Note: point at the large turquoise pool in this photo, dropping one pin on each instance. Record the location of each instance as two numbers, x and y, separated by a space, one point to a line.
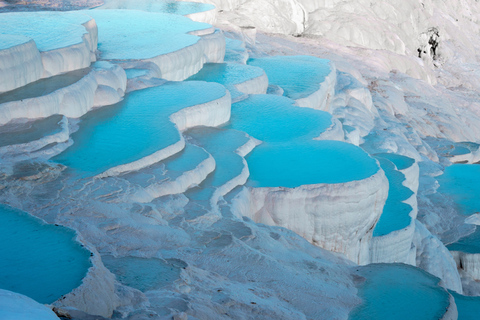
134 128
39 260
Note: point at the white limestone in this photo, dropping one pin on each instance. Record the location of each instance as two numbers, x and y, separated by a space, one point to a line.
97 293
72 57
337 217
72 101
185 181
434 257
15 306
20 64
258 85
321 98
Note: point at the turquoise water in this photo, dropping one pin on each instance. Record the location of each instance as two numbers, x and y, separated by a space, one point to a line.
43 86
39 260
30 131
461 182
401 162
172 7
309 162
50 30
133 73
396 214
468 244
8 40
275 119
134 34
134 128
399 292
188 159
228 74
221 144
468 307
299 76
144 274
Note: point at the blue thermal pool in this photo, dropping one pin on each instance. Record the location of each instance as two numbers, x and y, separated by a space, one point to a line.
396 214
51 30
134 34
228 74
460 181
221 144
401 162
134 128
468 307
298 76
399 292
309 162
144 274
39 260
273 118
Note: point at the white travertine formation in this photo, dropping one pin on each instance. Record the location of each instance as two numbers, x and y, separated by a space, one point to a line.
183 63
72 101
96 295
337 217
322 98
185 181
20 64
468 262
397 245
73 57
257 85
15 306
434 257
213 113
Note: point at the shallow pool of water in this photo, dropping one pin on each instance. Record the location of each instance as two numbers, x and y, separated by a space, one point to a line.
309 162
298 76
39 260
134 34
273 118
399 292
134 128
396 214
461 182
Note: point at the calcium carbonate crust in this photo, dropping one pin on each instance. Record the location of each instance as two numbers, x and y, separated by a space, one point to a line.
72 101
337 217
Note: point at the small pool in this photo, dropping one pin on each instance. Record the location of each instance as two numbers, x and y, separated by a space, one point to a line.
401 162
136 127
39 260
396 214
144 274
399 292
461 182
298 76
271 118
468 307
222 145
310 162
135 34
